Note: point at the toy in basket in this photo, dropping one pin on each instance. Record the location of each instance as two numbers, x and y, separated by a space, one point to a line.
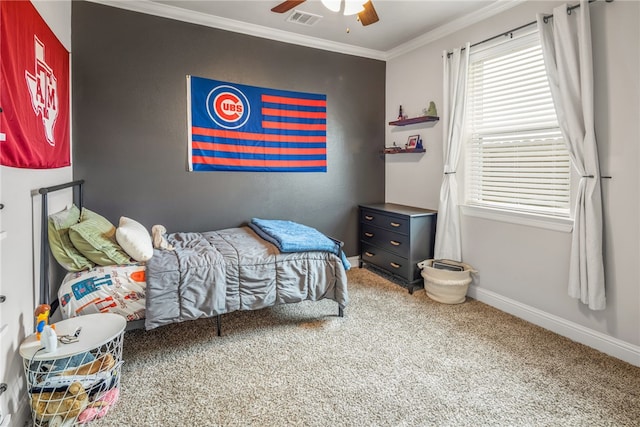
76 394
446 281
78 381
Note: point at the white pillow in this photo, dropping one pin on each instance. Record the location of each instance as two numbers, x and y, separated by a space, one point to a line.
134 238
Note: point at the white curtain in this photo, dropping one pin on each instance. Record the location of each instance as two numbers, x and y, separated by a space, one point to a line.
448 243
566 46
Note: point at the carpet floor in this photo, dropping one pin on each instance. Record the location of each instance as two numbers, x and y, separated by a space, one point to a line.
395 359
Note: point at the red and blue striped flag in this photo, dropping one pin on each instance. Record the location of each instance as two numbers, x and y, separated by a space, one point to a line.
235 127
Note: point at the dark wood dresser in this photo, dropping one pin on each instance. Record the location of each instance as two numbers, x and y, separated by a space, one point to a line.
395 238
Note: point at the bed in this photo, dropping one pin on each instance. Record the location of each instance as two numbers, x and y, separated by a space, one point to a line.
191 275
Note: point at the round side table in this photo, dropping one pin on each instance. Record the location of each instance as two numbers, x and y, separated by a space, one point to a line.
79 381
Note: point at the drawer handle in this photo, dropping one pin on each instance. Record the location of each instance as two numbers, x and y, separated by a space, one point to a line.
394 265
394 224
368 234
369 254
368 217
394 243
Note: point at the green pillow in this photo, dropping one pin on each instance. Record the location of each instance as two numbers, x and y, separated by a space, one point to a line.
94 237
61 247
88 214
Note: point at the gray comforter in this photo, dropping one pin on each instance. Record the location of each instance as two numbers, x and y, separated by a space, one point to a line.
222 271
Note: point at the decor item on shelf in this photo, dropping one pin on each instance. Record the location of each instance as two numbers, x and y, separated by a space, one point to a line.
395 148
392 150
419 144
400 113
431 111
412 142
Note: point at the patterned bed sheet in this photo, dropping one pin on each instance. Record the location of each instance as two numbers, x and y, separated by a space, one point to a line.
118 289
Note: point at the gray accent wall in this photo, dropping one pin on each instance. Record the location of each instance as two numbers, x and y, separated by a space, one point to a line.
130 125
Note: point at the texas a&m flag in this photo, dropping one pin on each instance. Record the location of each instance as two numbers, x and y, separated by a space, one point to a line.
34 90
235 127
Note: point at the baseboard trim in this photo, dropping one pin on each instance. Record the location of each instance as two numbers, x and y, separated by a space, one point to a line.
354 261
619 349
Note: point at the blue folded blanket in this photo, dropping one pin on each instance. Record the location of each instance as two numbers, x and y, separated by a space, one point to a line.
290 236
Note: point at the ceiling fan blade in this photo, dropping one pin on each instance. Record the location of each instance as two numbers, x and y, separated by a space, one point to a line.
286 5
368 16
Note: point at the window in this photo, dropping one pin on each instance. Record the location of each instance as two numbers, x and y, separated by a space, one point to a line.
516 158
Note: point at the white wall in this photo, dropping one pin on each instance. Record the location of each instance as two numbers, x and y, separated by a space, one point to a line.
17 249
523 269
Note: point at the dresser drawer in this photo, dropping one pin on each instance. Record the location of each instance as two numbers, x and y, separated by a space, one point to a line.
393 263
385 239
379 219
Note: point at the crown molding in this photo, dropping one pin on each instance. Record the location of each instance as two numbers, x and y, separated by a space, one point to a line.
172 12
453 26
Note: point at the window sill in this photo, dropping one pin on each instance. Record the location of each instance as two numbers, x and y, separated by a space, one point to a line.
540 221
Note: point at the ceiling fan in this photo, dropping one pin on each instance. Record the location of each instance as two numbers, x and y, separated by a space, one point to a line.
367 15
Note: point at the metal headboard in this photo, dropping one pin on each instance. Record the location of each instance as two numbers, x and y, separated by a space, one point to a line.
44 235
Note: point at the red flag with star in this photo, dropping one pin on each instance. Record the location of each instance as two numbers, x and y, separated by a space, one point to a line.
34 91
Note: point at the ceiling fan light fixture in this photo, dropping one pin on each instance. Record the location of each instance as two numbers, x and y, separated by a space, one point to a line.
332 5
366 12
351 7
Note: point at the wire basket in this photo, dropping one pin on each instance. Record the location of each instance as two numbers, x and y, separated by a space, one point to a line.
77 389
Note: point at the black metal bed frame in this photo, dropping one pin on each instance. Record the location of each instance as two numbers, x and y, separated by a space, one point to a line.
44 236
45 286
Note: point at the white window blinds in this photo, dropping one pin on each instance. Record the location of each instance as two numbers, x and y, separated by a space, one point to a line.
516 156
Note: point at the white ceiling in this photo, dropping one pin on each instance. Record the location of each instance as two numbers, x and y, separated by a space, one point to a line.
403 25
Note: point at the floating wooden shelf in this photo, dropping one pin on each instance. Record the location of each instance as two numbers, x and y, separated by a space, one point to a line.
414 120
403 150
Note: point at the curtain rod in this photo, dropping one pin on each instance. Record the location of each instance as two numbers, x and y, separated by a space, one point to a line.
513 30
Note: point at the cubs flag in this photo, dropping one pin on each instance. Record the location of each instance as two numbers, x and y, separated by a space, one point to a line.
34 91
235 127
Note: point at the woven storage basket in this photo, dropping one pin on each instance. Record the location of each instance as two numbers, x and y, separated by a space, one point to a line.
445 286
